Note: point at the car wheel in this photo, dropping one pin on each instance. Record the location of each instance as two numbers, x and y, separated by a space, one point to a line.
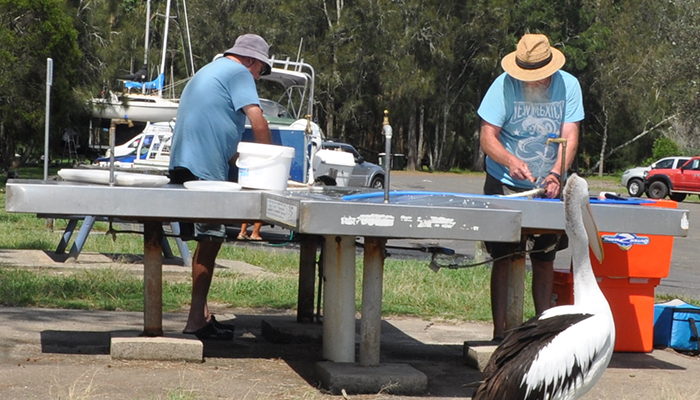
677 197
635 187
377 183
657 190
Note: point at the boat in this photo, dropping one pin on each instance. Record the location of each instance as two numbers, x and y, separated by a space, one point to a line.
140 148
142 101
135 107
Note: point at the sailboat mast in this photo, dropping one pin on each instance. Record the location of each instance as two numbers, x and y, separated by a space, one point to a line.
165 45
148 25
189 41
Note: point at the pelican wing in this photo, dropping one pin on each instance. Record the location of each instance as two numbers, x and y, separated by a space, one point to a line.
506 371
574 360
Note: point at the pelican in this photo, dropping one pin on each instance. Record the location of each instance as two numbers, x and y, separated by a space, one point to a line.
561 353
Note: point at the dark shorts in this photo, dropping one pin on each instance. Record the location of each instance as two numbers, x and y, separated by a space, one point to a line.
196 231
544 247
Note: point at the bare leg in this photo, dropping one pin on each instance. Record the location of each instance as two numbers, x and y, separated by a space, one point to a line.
542 284
203 264
244 231
499 296
256 231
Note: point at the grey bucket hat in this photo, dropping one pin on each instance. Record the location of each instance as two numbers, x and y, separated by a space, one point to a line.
250 45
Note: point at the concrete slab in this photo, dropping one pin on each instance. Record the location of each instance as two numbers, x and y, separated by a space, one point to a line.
157 349
400 379
477 353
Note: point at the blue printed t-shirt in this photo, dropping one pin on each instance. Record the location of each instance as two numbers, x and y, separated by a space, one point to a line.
526 125
211 120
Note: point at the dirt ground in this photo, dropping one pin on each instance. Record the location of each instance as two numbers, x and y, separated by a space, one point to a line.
64 354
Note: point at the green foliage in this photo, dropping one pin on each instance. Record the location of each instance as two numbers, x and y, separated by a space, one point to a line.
636 61
664 147
30 32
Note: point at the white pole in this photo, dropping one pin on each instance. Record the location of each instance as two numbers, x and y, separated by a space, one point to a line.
165 45
189 41
49 81
148 26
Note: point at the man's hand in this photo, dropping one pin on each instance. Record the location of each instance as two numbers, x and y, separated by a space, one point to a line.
552 186
519 170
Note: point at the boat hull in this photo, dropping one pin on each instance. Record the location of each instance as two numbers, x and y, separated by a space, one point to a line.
144 110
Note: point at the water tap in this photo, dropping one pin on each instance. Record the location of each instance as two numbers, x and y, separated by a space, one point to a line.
553 139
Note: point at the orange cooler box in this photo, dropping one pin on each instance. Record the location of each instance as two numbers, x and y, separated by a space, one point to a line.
638 256
631 302
631 269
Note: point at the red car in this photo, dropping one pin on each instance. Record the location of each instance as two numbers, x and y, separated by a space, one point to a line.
675 183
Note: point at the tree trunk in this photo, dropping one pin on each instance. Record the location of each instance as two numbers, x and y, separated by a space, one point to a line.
603 144
411 148
634 139
421 135
477 154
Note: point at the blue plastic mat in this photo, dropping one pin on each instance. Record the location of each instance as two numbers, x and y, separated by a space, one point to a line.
403 196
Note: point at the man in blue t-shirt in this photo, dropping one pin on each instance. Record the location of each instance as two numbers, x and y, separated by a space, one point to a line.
211 118
530 103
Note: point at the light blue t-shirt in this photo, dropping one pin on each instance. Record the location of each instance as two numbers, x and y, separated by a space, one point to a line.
210 118
526 124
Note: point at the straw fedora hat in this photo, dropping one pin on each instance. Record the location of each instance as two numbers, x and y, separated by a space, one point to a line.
534 59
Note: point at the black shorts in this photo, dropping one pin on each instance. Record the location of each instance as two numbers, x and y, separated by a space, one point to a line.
196 231
544 247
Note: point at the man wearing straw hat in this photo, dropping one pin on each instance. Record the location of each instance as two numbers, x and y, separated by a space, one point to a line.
211 119
531 102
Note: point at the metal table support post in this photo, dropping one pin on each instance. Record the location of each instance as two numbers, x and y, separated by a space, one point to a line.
307 278
372 281
339 298
153 278
83 233
516 293
67 233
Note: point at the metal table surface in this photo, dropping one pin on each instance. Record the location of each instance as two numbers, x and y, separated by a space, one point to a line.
343 213
167 203
323 212
340 215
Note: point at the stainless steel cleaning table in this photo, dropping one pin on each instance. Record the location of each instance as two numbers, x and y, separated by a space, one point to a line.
339 219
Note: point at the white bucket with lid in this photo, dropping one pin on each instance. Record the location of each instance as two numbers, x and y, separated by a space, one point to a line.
264 166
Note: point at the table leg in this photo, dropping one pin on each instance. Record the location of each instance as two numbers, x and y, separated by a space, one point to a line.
307 278
516 293
372 279
67 234
153 279
339 298
83 233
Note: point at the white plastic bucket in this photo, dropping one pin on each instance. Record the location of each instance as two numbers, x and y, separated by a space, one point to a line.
264 166
335 164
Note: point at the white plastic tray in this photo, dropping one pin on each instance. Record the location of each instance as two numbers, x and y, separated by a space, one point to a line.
213 186
101 177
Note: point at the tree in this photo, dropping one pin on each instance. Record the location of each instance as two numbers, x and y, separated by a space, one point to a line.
30 32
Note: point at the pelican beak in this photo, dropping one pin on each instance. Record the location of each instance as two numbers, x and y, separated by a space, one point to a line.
592 231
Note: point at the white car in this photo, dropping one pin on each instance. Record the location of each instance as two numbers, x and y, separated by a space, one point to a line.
633 179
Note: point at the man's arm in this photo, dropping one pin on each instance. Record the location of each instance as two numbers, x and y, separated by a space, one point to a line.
517 168
261 131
